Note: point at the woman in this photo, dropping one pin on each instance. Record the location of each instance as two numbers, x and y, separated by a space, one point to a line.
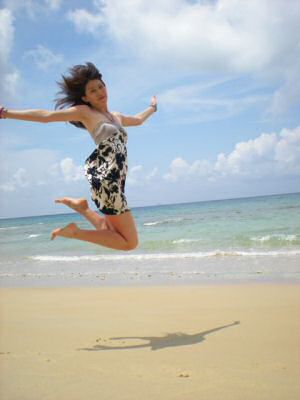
83 102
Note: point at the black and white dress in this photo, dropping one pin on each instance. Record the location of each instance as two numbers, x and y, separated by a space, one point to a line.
106 168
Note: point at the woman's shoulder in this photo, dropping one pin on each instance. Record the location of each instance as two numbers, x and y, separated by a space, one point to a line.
82 111
84 108
118 115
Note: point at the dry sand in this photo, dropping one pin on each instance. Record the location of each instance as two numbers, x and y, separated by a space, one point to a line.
151 343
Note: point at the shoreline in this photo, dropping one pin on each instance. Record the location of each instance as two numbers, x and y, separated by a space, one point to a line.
101 283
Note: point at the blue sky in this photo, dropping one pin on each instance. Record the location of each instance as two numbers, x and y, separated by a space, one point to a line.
226 77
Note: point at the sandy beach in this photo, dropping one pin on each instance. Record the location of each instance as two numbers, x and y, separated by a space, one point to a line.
178 342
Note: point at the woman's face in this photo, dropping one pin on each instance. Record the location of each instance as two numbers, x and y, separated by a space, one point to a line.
95 93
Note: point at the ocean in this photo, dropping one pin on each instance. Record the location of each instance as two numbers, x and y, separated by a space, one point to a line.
253 239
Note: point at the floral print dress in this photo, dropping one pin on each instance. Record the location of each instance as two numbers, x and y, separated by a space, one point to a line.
106 169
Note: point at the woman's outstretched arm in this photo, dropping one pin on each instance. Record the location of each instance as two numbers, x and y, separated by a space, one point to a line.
76 113
139 118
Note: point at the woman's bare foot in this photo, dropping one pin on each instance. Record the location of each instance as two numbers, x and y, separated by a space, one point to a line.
79 205
68 231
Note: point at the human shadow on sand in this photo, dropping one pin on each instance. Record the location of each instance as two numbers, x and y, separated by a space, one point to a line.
157 343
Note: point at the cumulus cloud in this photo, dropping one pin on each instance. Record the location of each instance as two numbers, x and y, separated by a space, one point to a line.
18 180
138 177
9 75
258 37
43 57
267 159
65 170
34 164
181 169
220 35
178 168
70 171
86 21
39 167
269 155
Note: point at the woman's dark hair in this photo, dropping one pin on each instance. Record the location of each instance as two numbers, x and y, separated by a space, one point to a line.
72 87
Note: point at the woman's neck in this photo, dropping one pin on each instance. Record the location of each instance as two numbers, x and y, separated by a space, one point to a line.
103 110
100 107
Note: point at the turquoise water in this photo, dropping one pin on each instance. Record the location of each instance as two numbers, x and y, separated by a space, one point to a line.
238 239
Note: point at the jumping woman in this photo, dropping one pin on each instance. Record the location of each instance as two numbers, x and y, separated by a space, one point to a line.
82 101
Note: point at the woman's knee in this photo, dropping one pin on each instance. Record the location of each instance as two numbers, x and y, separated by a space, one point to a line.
124 225
132 244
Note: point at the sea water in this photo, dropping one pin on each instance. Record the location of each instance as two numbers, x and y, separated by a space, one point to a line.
248 239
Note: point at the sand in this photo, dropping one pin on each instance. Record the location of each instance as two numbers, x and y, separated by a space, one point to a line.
180 342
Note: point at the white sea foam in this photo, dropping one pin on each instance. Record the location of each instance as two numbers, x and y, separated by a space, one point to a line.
34 236
276 236
164 221
20 226
165 256
179 241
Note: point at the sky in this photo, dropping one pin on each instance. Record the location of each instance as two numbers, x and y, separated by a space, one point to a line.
226 75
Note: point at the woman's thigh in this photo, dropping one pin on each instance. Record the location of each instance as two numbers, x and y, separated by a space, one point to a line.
124 224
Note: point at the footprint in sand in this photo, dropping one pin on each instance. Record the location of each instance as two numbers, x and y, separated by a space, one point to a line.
184 375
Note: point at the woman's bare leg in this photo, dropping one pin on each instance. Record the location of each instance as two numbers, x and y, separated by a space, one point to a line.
81 206
123 238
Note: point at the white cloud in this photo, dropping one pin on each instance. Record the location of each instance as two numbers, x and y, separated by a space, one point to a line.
18 180
39 167
269 155
221 35
34 162
178 168
136 169
21 5
199 102
270 160
7 34
258 37
288 147
85 21
32 7
287 95
152 174
53 4
43 57
273 155
138 177
134 177
9 75
70 171
65 171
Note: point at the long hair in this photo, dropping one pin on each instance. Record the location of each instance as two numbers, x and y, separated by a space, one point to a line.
72 87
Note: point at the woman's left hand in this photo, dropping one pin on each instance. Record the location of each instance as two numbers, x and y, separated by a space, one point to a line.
153 101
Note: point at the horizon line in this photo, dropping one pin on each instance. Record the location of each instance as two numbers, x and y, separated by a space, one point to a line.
163 204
